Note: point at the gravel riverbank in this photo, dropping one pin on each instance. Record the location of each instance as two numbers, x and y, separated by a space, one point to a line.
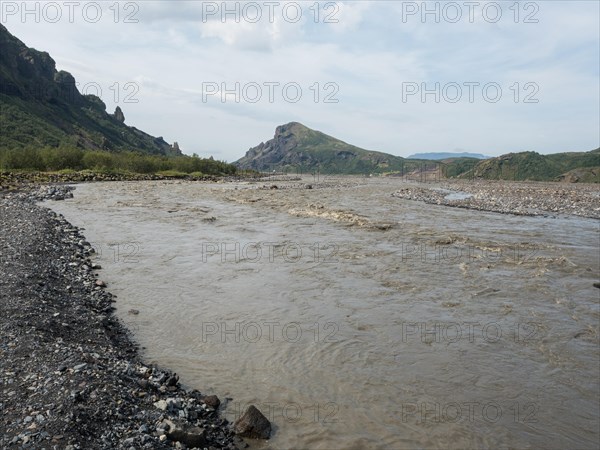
508 197
70 376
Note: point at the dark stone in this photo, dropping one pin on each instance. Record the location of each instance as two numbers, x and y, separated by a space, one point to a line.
212 401
253 424
172 381
191 437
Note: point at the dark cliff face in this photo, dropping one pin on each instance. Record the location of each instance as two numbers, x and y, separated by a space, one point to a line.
42 106
31 74
279 150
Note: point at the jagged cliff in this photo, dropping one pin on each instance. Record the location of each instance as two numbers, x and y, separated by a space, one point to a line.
40 106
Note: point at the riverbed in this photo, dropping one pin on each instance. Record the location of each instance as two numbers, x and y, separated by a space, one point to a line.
355 319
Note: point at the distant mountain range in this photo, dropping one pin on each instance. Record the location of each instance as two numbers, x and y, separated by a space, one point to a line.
447 155
296 147
40 106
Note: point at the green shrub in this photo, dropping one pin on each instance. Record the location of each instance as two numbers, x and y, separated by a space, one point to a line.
73 158
21 159
98 160
62 158
135 162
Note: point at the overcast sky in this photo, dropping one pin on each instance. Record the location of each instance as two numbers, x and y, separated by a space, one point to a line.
507 78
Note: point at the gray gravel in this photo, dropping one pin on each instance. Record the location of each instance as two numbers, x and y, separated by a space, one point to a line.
70 376
520 198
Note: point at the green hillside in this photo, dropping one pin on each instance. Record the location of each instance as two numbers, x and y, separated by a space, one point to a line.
47 125
531 166
296 147
41 107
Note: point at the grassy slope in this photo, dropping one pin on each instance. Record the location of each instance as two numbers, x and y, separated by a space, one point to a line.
533 166
25 123
40 106
299 148
314 150
318 151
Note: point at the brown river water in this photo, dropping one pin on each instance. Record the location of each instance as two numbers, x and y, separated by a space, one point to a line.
356 320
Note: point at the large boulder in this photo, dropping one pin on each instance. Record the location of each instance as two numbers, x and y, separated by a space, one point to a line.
212 401
253 424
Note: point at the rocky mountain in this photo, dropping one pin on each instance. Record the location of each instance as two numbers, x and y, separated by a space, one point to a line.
296 147
447 155
40 106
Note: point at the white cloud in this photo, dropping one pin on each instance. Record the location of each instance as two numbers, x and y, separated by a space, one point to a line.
347 16
174 51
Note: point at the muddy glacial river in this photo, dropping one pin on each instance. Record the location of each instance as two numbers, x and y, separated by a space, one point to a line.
356 320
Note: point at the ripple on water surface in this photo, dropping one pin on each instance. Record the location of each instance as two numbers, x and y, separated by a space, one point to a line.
451 328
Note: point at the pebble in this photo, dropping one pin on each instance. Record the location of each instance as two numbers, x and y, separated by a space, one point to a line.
519 198
59 316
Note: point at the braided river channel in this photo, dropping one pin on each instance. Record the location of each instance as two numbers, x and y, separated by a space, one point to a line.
354 319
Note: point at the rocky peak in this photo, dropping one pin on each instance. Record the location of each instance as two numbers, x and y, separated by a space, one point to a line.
68 87
289 129
119 114
31 74
295 146
59 112
285 147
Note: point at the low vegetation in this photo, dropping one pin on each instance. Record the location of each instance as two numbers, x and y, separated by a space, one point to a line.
531 166
66 158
